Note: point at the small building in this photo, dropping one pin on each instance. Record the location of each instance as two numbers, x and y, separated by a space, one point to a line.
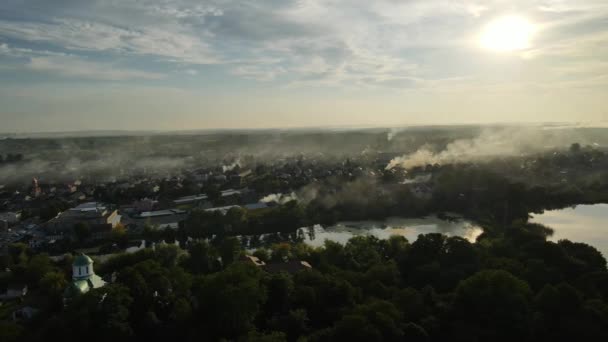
256 206
10 218
191 199
83 277
14 291
24 314
161 219
253 260
97 216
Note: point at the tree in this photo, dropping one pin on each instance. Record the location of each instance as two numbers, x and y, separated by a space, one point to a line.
18 253
355 328
395 247
411 303
275 336
229 300
119 235
414 333
492 305
262 254
280 252
37 267
377 320
202 258
575 148
53 284
229 249
362 252
10 332
103 310
583 258
279 288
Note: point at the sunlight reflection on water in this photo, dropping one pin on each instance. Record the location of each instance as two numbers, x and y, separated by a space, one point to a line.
584 223
409 228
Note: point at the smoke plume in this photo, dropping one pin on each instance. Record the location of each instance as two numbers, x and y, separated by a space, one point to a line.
490 144
279 198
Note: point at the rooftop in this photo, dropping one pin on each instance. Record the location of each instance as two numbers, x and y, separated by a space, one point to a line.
89 206
157 213
82 260
187 199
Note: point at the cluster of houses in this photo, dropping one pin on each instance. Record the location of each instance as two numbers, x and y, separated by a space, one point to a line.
161 201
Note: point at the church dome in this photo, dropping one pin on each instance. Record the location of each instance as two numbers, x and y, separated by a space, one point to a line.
82 260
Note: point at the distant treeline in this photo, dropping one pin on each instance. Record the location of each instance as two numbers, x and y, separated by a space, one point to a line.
11 158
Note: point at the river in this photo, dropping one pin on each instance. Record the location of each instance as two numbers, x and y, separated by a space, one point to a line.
409 228
583 223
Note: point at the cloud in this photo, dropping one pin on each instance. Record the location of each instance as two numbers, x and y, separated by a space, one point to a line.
345 43
71 66
259 72
74 34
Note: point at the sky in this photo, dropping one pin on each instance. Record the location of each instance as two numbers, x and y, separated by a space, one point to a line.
70 65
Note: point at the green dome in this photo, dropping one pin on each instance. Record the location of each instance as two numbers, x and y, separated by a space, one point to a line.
82 260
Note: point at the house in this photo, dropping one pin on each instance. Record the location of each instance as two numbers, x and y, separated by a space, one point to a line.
24 314
9 218
223 209
253 260
190 199
145 204
290 267
84 278
98 216
162 219
256 206
14 292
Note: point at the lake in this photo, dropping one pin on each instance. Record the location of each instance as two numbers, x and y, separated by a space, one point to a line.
409 228
584 223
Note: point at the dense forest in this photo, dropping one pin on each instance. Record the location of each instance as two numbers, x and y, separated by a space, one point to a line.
510 286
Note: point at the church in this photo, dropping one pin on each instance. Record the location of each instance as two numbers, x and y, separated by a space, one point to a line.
83 277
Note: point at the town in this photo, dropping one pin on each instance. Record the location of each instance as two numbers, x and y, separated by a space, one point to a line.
213 210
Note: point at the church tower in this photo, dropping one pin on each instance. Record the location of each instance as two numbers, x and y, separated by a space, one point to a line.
83 277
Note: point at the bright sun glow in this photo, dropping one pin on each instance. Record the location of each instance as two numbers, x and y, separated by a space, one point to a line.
511 33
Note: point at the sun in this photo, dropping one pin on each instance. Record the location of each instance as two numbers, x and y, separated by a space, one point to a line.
507 34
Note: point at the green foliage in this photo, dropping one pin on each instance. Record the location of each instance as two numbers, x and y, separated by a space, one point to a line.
37 267
104 311
229 300
510 286
202 258
53 284
262 254
10 332
493 305
229 249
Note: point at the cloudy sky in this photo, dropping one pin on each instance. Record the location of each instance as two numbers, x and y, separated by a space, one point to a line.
185 64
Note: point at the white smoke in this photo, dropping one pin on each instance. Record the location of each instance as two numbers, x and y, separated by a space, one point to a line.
280 198
231 167
491 143
393 132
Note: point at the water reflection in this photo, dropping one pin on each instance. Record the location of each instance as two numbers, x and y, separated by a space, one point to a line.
409 228
584 223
